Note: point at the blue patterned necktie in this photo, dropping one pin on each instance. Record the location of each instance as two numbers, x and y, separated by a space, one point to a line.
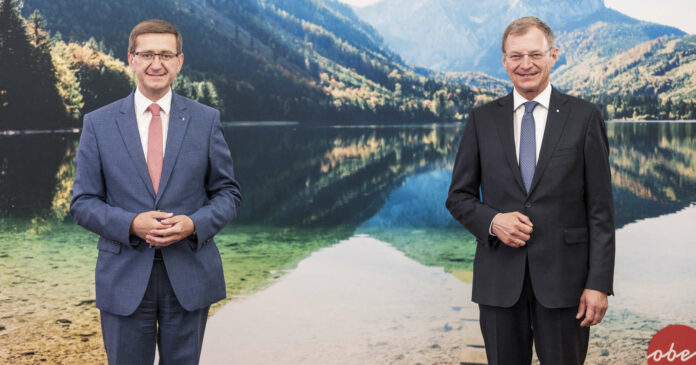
528 145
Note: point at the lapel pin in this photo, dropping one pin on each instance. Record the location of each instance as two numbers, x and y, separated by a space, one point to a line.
182 119
558 111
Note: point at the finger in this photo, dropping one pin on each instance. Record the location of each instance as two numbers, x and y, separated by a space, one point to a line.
524 219
161 215
600 316
581 310
525 228
155 241
159 225
164 232
589 317
596 319
521 236
510 242
173 220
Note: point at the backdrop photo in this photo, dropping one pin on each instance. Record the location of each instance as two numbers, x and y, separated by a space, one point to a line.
343 120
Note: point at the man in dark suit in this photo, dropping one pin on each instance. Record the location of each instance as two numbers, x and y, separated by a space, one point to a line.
154 180
532 183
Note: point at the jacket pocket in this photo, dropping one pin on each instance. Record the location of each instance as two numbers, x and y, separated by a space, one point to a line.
564 152
573 236
109 246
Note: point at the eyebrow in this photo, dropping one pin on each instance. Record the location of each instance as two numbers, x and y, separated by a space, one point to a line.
156 51
533 51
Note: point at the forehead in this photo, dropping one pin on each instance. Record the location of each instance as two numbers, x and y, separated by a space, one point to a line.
156 42
532 40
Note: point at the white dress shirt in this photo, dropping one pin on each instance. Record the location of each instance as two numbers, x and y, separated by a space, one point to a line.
143 117
540 112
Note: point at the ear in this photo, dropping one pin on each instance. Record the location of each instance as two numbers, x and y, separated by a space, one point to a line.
130 61
181 62
554 56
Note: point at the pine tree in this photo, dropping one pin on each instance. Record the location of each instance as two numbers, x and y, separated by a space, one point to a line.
28 95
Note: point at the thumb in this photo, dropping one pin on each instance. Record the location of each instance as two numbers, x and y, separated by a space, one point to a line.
581 309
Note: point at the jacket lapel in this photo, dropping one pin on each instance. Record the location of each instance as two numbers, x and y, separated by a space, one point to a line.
178 121
555 123
128 128
505 125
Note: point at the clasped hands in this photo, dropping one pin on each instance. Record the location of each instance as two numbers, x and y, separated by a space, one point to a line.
514 229
160 229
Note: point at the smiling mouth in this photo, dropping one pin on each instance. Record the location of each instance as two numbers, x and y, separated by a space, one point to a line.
530 74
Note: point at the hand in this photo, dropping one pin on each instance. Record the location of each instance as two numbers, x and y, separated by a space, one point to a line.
593 305
147 221
174 230
513 228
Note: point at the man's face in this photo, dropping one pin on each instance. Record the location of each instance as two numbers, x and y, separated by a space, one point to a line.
156 75
528 61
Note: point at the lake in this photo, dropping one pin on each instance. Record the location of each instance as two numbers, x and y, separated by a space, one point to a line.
368 200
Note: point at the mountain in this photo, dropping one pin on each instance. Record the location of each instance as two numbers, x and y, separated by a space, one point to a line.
307 60
479 80
465 35
664 66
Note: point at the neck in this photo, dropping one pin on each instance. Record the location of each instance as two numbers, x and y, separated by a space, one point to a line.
154 95
530 95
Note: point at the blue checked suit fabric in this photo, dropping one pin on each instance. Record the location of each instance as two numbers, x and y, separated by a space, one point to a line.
528 144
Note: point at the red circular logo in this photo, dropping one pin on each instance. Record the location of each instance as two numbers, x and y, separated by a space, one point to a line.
674 345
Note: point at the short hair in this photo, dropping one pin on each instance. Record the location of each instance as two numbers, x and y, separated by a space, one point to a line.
154 26
522 25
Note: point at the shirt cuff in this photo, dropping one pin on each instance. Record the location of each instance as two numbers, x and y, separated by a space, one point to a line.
490 227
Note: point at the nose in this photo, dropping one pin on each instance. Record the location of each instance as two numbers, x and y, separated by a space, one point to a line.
156 64
526 61
156 61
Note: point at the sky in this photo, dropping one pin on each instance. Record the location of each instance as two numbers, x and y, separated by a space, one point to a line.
677 13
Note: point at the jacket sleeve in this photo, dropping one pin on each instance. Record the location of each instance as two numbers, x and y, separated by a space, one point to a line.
88 206
464 198
600 206
223 191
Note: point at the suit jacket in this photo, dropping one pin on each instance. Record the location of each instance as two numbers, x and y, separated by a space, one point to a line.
112 185
570 203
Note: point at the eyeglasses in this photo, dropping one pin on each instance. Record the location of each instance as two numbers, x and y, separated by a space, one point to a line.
149 56
534 56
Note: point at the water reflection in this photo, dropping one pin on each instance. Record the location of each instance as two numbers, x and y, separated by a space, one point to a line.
653 173
328 176
653 168
31 176
387 177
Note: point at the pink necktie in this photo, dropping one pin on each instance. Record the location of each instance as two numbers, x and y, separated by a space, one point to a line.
154 146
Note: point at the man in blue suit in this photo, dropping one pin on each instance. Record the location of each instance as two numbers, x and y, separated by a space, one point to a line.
154 180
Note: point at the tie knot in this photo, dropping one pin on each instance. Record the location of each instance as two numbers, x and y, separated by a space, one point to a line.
529 106
154 109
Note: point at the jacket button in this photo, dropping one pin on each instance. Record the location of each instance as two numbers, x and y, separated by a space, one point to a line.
527 205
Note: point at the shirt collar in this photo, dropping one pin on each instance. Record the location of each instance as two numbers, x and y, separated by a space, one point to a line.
142 102
544 98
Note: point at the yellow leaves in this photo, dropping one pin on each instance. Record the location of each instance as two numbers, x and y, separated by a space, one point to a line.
68 59
64 182
67 84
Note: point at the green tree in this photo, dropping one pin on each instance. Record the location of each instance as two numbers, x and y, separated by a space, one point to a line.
28 95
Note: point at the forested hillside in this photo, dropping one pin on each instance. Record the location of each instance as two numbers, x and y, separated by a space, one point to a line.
305 60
